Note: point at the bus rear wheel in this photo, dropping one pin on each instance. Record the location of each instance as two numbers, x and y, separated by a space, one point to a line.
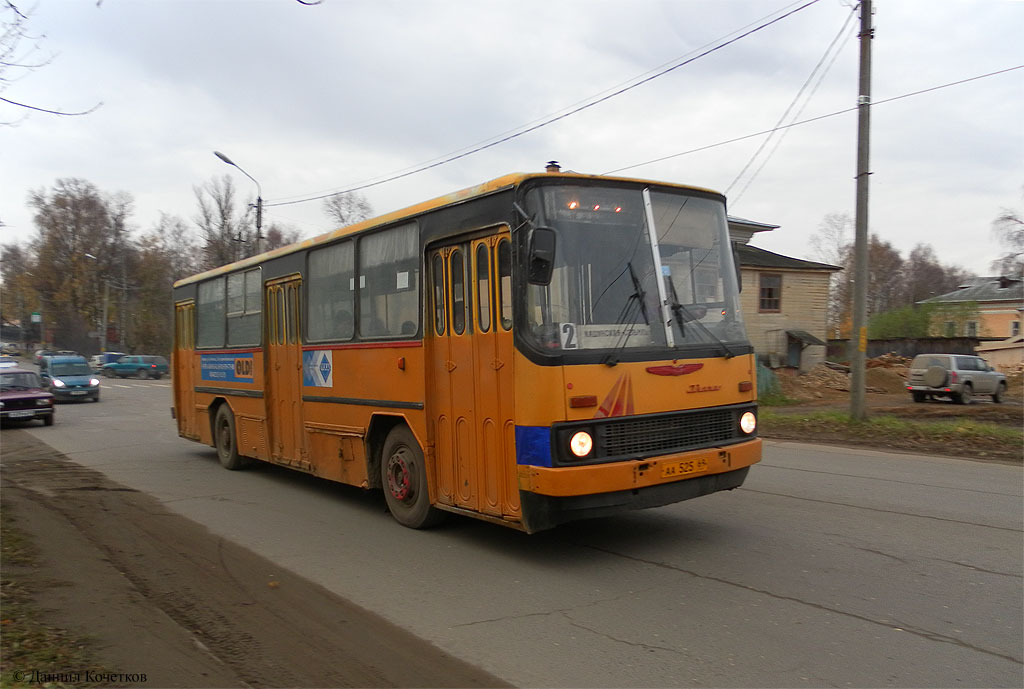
226 441
403 476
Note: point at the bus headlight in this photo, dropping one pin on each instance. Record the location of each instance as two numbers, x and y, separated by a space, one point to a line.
748 422
581 444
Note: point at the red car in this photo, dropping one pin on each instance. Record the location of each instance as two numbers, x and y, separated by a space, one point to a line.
22 397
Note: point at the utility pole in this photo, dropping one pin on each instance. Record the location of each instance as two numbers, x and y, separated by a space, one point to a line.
859 336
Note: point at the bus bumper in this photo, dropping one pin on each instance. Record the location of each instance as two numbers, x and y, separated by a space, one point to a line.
552 496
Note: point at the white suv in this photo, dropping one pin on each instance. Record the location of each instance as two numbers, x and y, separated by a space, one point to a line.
956 376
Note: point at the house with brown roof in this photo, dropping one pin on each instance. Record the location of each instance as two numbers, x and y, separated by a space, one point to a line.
784 301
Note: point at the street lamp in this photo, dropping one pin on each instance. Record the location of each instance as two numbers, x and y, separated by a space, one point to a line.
259 197
102 330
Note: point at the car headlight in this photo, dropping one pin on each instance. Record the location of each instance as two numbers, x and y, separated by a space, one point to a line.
748 422
581 444
94 382
58 383
42 402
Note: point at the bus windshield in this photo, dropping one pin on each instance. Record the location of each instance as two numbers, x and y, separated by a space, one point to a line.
612 244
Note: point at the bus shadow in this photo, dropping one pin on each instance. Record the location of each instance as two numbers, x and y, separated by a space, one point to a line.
588 542
575 544
370 501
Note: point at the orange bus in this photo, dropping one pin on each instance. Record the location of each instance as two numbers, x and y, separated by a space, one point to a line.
533 350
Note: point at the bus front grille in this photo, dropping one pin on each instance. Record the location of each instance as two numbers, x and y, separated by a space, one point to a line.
665 433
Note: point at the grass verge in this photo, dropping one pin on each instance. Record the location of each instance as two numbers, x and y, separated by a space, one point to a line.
953 437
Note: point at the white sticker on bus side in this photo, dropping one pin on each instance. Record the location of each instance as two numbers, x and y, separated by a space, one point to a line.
318 368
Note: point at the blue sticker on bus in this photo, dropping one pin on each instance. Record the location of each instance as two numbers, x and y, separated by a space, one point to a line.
533 445
318 368
231 368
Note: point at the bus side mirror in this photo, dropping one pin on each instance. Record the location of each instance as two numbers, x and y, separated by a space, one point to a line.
736 265
541 256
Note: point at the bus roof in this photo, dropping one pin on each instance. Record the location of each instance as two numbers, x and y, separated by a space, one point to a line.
499 184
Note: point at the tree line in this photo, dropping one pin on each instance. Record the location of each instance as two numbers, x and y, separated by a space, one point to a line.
896 284
96 280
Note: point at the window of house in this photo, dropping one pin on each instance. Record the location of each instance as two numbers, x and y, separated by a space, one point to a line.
971 329
950 329
770 293
1014 328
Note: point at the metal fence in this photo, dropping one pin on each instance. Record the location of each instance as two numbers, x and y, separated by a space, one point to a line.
838 350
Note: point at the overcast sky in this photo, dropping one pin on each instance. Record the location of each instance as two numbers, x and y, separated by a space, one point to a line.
317 99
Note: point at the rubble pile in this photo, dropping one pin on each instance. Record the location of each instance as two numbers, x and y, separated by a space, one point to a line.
884 374
890 360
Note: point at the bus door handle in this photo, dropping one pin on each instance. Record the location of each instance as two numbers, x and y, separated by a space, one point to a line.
450 365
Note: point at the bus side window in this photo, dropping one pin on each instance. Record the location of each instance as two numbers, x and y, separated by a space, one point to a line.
483 287
438 276
458 268
505 283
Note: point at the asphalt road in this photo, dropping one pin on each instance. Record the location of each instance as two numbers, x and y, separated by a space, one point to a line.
830 567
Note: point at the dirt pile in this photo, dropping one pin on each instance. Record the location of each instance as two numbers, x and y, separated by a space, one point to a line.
883 375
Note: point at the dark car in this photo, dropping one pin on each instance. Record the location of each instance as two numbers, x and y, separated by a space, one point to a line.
70 378
22 397
137 365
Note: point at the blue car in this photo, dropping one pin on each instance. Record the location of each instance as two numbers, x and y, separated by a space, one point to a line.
69 378
138 365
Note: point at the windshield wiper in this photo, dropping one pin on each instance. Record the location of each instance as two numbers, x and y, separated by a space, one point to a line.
682 315
638 294
628 315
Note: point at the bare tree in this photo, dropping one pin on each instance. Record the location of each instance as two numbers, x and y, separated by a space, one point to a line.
1009 229
16 59
222 232
831 244
347 208
924 276
280 235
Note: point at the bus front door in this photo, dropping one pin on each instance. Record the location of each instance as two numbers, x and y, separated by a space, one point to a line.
470 392
284 373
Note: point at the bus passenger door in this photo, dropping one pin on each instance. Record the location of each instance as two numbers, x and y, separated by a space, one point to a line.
470 363
283 389
492 354
450 393
184 373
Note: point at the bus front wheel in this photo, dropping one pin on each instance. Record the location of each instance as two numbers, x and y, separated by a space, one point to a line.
226 440
403 475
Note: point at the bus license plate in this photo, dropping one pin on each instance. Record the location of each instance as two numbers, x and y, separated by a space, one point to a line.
687 466
21 414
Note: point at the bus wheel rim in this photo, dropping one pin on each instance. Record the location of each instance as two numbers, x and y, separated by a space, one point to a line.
399 478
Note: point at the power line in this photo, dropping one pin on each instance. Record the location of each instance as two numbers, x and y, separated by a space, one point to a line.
813 119
543 118
550 120
793 103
